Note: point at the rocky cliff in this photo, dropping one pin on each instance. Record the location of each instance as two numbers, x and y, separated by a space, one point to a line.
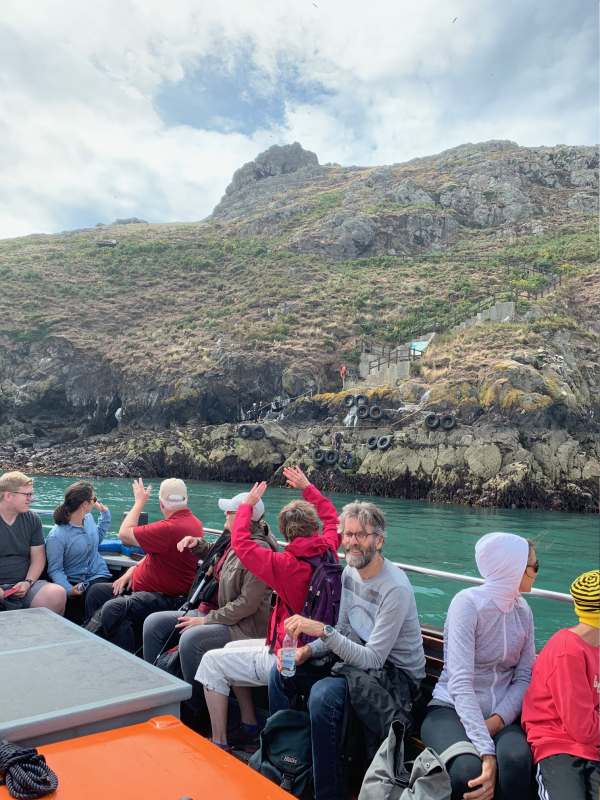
186 326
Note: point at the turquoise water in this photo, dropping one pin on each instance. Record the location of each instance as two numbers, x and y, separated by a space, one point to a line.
440 537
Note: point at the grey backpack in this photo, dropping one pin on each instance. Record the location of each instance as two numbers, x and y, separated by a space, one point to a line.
426 778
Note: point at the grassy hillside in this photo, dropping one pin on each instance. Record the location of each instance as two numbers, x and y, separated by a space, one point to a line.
268 276
176 290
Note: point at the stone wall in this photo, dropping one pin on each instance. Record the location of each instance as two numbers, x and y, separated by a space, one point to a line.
501 312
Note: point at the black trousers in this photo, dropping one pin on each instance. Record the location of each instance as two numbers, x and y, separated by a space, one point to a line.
442 727
123 616
568 777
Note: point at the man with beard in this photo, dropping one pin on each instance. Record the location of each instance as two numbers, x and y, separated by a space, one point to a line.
379 645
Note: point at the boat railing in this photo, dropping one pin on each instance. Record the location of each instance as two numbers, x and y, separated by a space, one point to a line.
452 576
414 568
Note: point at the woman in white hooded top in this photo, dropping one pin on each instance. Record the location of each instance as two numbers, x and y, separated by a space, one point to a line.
489 650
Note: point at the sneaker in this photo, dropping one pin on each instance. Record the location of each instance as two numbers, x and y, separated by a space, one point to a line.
244 737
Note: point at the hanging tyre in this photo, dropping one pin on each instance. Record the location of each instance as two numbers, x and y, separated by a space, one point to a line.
245 431
258 432
384 442
362 412
372 443
447 422
349 400
331 457
347 460
431 421
375 412
362 400
318 456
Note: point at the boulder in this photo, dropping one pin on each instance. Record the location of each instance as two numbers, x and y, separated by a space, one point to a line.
407 193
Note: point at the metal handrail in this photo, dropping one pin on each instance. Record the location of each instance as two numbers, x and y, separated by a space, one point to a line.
454 576
432 573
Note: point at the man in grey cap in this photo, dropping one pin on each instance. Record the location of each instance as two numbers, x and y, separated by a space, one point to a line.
162 579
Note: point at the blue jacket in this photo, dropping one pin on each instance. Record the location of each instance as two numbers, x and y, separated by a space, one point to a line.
72 552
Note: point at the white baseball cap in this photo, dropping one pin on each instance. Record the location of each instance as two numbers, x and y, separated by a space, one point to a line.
173 493
235 502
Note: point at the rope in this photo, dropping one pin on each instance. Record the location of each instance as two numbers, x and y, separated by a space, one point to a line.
25 772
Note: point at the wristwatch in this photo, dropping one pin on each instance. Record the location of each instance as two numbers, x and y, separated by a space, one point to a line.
29 581
328 630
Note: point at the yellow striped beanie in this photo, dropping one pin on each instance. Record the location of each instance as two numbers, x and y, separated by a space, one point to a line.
585 591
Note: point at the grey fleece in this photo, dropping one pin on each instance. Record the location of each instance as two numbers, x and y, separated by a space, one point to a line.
488 656
381 612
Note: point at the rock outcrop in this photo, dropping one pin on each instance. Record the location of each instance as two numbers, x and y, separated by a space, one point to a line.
482 465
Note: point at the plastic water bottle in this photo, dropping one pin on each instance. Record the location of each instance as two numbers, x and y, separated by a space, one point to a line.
288 656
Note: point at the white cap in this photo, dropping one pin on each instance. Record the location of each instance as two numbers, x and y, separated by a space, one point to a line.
235 502
173 493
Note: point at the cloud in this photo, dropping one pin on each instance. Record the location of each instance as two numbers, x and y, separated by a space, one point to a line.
140 109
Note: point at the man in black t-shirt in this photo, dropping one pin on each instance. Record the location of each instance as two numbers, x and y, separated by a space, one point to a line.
22 550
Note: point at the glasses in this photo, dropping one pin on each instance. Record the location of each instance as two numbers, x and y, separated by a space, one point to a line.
361 536
94 499
535 567
26 494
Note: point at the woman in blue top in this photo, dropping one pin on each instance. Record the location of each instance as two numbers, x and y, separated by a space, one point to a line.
72 545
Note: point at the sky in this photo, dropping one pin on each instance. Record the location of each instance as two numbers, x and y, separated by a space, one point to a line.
144 108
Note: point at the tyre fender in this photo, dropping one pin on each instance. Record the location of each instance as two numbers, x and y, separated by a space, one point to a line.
331 457
432 421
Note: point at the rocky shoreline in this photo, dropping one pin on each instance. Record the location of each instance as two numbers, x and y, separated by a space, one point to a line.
480 465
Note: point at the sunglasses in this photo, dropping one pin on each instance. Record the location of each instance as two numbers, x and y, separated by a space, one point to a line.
535 567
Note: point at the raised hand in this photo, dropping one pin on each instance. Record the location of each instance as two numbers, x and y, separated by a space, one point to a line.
256 492
295 478
141 494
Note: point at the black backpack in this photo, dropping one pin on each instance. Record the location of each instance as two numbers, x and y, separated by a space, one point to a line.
285 753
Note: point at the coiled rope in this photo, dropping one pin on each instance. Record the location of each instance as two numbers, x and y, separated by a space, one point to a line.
25 772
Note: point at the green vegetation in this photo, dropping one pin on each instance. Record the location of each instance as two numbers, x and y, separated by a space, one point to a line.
177 289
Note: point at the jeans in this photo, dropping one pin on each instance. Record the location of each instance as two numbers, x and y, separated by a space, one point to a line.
194 642
326 704
123 616
442 727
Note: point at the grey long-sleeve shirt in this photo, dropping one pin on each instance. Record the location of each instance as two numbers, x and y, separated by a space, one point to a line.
488 656
382 612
